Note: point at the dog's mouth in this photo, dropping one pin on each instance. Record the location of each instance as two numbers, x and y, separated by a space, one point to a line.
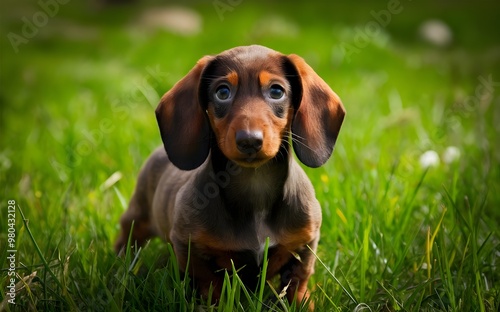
251 161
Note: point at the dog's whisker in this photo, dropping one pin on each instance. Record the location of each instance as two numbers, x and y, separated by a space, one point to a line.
299 140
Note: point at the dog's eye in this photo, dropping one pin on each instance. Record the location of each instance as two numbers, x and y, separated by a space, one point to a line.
223 93
276 92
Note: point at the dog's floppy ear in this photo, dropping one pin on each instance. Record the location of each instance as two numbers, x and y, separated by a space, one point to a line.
318 113
183 124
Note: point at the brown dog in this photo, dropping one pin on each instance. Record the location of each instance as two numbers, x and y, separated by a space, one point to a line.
230 179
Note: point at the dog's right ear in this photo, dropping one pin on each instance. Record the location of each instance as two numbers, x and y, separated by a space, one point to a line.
183 124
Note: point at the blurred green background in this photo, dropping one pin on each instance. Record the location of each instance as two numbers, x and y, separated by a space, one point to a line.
79 81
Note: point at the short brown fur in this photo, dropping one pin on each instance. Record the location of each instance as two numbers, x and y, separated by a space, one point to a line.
226 179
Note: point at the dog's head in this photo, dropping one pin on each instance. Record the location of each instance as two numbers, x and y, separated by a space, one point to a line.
252 99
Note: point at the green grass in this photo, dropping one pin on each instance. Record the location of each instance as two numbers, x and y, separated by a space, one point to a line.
77 108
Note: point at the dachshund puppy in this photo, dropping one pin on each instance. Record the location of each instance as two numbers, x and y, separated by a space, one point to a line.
226 178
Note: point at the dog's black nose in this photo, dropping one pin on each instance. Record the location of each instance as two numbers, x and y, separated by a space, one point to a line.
249 142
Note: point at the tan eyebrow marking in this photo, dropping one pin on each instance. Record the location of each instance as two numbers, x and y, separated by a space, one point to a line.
232 77
265 77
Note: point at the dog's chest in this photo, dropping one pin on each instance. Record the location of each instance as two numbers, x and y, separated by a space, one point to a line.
250 221
262 232
250 237
240 215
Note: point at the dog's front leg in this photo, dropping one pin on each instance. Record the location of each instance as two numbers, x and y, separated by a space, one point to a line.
295 274
201 269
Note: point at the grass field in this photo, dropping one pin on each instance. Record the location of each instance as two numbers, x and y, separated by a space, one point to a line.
78 93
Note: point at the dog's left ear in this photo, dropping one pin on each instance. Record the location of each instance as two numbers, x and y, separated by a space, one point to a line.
318 113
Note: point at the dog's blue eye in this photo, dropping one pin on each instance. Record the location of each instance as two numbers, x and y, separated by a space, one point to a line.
223 93
276 92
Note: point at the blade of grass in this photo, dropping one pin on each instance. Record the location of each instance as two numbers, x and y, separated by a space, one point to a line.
344 289
235 289
121 198
396 304
224 303
44 261
475 260
328 298
408 211
445 274
428 246
364 259
418 291
278 297
175 265
263 274
252 306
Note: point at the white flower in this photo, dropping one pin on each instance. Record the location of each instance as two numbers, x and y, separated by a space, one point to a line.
451 154
429 159
436 32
